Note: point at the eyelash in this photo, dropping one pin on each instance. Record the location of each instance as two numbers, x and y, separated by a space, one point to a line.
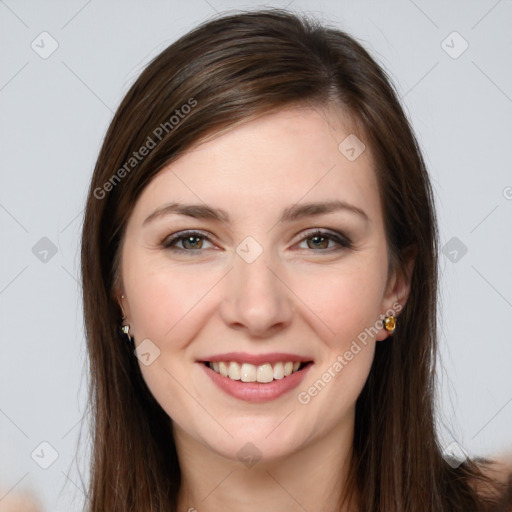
343 241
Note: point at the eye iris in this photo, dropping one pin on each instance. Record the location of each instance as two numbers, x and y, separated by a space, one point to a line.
319 242
192 242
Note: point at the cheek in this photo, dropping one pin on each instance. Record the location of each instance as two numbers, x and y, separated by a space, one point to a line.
346 301
167 305
164 296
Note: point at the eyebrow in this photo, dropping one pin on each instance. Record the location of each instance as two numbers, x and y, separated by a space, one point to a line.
292 213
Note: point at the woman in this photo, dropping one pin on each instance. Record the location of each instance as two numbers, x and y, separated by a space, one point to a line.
259 264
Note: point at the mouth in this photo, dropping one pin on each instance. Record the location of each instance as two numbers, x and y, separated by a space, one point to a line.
263 373
259 382
256 378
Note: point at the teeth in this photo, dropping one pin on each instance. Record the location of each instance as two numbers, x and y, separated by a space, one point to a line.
265 373
278 371
250 373
223 369
234 371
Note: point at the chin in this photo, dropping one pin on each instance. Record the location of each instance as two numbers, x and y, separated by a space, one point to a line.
266 439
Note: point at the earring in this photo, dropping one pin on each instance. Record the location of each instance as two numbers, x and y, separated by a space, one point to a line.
125 329
390 324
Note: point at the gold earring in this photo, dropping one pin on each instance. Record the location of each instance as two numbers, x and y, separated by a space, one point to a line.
390 324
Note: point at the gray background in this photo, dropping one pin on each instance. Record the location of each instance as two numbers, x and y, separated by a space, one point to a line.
54 113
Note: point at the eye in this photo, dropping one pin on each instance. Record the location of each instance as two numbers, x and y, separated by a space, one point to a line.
318 240
186 241
325 241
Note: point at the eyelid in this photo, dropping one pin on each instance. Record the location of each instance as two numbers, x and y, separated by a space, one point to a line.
343 241
339 238
168 240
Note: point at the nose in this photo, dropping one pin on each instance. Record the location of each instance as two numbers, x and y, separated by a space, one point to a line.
257 299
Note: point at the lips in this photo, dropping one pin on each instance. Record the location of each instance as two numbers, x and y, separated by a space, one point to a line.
262 373
256 359
256 378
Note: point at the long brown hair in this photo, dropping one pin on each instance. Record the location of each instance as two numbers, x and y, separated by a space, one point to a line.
228 71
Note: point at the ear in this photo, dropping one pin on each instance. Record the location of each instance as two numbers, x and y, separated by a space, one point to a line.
121 300
122 305
397 290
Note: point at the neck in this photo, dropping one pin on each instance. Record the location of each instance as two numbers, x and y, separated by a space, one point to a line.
312 478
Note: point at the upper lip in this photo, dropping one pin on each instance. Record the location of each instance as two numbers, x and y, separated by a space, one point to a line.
256 359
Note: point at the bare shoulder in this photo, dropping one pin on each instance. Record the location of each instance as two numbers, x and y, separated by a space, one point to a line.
23 501
500 471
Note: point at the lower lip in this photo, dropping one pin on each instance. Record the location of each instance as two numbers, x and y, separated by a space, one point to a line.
256 391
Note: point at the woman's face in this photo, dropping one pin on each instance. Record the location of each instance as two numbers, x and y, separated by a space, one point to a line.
259 250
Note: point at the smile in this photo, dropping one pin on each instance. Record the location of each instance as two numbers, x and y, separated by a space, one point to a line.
264 378
263 373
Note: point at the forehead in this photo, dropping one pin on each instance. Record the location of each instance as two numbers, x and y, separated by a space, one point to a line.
271 162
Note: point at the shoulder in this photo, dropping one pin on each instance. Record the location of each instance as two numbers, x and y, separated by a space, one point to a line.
500 469
498 474
21 501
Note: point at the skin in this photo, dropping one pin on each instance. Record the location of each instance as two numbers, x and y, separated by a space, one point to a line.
12 501
302 295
